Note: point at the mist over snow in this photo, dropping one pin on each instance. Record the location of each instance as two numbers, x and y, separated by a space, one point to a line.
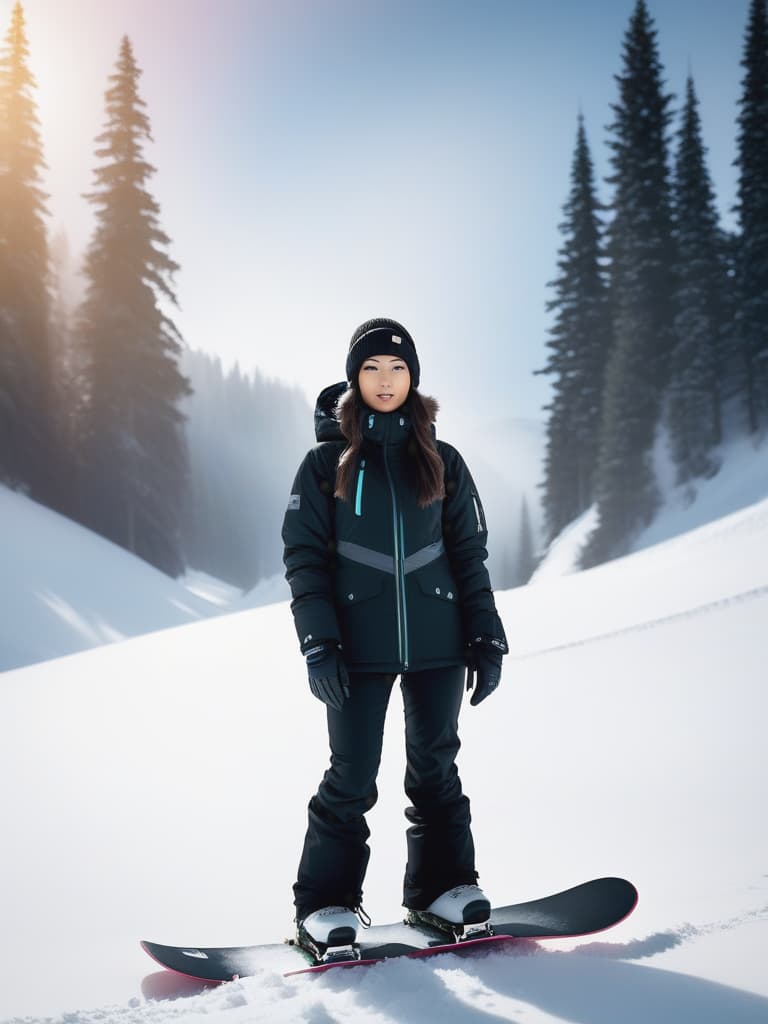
156 788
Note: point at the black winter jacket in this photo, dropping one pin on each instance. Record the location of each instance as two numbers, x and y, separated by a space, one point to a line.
400 587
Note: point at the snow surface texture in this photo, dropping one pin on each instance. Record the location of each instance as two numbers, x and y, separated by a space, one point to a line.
157 789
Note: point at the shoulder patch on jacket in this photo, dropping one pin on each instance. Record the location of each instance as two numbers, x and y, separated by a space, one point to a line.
294 502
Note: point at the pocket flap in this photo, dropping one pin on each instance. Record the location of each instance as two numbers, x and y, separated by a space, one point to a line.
357 583
437 582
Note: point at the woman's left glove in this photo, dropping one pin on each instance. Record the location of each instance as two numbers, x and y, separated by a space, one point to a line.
328 676
484 658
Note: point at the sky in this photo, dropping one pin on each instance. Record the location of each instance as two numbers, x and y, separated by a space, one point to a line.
321 162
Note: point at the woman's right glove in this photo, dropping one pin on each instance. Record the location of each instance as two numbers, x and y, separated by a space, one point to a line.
328 676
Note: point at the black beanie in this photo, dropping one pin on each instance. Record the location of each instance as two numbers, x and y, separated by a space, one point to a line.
381 336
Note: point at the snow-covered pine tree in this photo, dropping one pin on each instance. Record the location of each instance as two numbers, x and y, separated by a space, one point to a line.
693 404
578 348
752 208
27 455
134 468
640 249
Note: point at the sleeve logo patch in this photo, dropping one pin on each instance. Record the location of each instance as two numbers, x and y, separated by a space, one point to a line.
294 502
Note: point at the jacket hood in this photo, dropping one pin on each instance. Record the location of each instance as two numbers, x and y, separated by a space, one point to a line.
326 422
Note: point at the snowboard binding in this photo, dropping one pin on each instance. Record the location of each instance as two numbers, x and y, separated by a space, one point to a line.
457 932
317 953
339 948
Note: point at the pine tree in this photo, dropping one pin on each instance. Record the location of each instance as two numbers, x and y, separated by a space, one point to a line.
26 453
694 401
732 382
640 249
237 483
66 371
507 574
752 208
579 346
134 456
526 560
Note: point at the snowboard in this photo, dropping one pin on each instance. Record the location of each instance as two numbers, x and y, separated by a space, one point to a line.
587 908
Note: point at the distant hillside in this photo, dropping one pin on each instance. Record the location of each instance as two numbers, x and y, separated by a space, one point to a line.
65 589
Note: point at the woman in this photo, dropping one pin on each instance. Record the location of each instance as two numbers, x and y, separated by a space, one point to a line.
385 541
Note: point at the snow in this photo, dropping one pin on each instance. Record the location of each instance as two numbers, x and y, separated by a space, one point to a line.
157 787
267 591
65 589
561 557
214 591
742 480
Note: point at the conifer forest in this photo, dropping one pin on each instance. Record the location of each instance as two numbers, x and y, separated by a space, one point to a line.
659 322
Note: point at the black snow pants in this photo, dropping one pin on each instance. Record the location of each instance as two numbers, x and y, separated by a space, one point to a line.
441 852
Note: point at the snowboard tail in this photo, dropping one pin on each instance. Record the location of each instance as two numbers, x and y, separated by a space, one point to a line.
581 910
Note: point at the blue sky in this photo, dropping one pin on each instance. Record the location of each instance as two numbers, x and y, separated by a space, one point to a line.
323 161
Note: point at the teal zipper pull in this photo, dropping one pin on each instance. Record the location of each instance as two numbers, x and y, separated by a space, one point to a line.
359 494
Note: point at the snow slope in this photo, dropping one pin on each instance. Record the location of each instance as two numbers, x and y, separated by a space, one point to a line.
157 789
65 589
741 481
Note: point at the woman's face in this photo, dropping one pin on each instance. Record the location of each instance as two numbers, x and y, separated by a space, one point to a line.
384 382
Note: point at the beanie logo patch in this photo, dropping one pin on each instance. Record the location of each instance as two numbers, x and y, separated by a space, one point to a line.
397 341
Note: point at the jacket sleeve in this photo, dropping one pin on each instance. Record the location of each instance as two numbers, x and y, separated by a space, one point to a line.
465 536
309 552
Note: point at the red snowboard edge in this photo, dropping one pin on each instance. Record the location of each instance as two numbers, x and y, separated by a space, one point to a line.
449 947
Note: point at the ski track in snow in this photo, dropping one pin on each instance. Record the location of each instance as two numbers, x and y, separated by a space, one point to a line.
638 627
660 942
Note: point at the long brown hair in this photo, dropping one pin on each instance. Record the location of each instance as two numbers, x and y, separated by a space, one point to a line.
424 465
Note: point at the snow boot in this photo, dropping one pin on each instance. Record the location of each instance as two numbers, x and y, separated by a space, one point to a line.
463 912
464 904
329 933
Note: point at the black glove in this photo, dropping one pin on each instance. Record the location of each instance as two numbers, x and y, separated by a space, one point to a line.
328 676
485 654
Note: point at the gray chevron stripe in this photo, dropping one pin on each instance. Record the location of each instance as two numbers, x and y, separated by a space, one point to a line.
366 556
386 563
424 556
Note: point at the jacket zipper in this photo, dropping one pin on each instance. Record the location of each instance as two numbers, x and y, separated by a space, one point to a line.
359 495
402 588
402 627
478 516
